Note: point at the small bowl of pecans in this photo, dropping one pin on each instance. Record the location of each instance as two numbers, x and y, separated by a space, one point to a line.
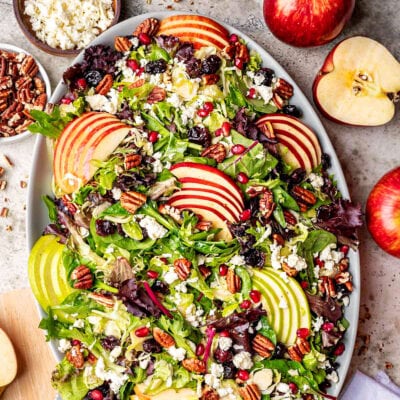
64 28
24 86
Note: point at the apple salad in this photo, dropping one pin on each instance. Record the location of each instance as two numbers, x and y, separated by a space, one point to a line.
197 245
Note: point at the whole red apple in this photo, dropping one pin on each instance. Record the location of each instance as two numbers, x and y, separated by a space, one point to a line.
306 23
383 212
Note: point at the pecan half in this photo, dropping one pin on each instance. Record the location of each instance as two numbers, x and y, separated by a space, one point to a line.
149 26
83 277
289 218
6 82
156 95
132 161
303 345
136 84
105 85
39 85
16 120
262 345
303 195
194 365
216 151
205 271
209 394
242 52
75 356
24 81
29 66
266 204
294 353
132 201
233 281
40 101
229 51
25 95
344 264
122 44
327 286
278 239
250 392
163 338
290 271
343 277
102 299
278 101
182 267
254 191
283 88
3 66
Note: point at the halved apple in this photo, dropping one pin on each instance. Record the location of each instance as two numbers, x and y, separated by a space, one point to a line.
92 136
196 29
358 82
298 144
209 193
46 272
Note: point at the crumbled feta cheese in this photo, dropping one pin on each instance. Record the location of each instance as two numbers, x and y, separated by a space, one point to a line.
316 325
217 370
237 260
265 92
224 343
116 379
181 287
275 256
283 387
242 360
64 345
153 228
116 193
330 257
333 377
144 360
115 352
346 301
212 381
177 354
194 315
316 181
293 372
79 323
295 261
284 276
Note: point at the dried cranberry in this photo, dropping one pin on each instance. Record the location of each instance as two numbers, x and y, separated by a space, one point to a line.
280 350
297 176
105 228
93 78
222 356
229 370
144 38
211 64
96 394
81 84
156 67
160 287
199 135
326 161
75 342
254 257
292 110
193 68
266 74
218 132
243 375
339 349
185 52
200 349
151 346
109 342
304 284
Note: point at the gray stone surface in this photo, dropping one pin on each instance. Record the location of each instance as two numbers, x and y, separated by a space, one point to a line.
365 154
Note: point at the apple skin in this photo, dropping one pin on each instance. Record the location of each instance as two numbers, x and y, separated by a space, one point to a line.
383 212
305 23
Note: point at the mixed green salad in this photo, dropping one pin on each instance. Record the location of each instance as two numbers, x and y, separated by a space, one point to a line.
161 303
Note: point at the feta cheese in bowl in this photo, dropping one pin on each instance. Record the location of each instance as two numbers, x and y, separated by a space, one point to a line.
65 27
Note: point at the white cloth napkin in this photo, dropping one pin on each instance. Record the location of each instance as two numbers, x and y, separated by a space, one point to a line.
362 387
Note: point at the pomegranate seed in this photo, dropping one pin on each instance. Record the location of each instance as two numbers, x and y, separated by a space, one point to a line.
140 71
245 215
327 326
133 65
233 38
226 128
344 249
96 394
238 149
224 334
142 332
223 269
144 38
239 63
153 136
243 375
251 93
245 304
81 83
339 349
304 284
75 342
152 274
200 349
66 100
293 387
319 262
255 295
242 178
164 260
202 113
303 333
208 106
218 132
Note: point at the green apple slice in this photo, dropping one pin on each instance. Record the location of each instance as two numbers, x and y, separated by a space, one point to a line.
46 272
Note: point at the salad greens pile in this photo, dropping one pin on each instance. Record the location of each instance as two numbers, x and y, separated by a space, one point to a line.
162 304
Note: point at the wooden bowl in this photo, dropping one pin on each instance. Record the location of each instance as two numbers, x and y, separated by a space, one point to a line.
25 24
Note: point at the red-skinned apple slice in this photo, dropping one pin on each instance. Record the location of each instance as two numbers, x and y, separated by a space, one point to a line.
357 83
190 172
93 135
298 144
199 30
